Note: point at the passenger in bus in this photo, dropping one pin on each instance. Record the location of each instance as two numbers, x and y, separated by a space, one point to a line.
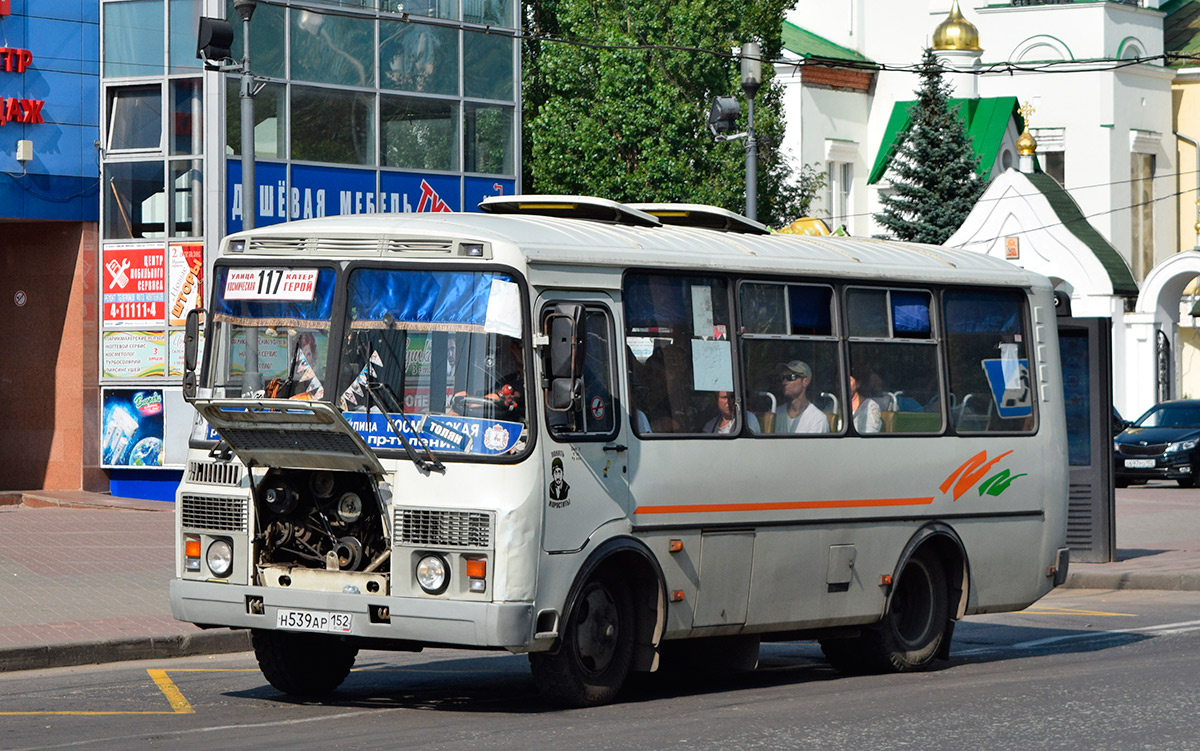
867 416
726 418
798 414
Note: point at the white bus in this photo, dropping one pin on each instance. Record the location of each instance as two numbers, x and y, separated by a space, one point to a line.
607 435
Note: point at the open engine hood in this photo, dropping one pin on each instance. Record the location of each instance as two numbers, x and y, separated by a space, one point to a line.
289 434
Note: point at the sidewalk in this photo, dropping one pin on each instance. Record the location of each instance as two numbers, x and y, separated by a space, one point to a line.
83 576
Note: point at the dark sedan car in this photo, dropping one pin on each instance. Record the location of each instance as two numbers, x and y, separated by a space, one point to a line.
1160 445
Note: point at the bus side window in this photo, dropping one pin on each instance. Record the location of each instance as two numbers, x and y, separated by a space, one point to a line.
893 361
596 413
988 356
792 369
679 352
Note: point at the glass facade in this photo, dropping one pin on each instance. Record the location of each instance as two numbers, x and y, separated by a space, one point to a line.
359 106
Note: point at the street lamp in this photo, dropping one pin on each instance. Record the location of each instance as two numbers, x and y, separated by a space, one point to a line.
723 116
751 81
214 41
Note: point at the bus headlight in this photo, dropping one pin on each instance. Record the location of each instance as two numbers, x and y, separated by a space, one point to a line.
220 558
433 574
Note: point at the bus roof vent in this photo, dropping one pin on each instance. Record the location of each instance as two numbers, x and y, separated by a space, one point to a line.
345 245
570 207
702 216
397 245
276 245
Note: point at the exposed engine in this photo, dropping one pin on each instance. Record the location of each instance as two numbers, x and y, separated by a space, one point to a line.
320 520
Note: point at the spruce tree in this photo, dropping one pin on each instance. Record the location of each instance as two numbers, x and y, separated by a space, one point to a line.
935 179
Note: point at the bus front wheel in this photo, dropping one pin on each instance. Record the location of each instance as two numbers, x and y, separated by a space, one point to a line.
595 650
302 664
910 634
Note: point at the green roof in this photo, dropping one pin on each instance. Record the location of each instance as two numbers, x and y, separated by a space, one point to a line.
806 44
1181 30
1073 219
986 120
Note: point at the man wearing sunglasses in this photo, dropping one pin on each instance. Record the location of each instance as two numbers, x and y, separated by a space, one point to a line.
798 414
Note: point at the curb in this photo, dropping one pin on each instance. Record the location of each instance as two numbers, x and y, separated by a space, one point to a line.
219 641
1175 581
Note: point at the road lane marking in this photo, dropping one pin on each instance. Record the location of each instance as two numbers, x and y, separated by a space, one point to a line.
1163 629
1047 610
178 703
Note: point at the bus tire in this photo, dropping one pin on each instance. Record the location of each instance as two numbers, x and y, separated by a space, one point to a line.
302 664
910 634
595 650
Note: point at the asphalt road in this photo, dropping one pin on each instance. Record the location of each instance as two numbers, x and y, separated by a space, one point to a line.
1079 670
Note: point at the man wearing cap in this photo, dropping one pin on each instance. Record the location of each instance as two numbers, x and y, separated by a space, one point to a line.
798 414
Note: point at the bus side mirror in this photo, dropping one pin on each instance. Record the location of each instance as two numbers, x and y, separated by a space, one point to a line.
191 345
564 356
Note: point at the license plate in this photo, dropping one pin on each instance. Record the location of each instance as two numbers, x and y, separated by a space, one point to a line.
309 620
1139 464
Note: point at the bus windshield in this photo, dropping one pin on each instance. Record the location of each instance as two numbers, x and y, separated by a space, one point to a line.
270 331
444 347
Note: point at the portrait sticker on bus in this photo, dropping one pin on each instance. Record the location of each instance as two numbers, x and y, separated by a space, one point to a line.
271 284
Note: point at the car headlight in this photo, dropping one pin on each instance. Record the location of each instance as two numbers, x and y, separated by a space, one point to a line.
1117 446
220 558
1182 445
433 574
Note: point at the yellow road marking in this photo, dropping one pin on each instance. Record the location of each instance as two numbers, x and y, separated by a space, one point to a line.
167 686
179 704
1043 610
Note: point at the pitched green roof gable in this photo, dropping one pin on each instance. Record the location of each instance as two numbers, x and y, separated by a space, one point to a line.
986 120
1068 213
808 45
1181 31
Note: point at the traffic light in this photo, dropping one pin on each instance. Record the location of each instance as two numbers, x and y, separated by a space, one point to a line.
724 114
214 40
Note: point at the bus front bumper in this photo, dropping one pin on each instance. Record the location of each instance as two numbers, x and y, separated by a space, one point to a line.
423 621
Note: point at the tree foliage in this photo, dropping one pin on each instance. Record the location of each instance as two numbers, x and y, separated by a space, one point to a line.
630 125
935 180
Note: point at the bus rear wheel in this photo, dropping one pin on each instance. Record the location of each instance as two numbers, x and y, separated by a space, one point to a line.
910 634
595 651
302 664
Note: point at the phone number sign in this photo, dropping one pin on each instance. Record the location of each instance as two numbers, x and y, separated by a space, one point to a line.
135 286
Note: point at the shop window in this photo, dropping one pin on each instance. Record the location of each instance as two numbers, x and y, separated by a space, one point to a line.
134 118
488 66
330 125
270 117
133 38
267 39
419 133
489 139
488 12
134 201
418 57
894 383
791 367
187 116
680 356
183 22
987 353
187 198
331 49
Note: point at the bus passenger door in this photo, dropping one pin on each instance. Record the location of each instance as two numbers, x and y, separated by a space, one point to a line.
585 452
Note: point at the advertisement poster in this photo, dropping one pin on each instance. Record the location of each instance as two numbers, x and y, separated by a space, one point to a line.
131 428
185 274
134 286
134 354
175 359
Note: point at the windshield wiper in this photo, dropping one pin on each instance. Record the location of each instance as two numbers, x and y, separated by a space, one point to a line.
432 464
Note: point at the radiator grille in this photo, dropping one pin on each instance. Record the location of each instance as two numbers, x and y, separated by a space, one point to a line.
462 529
1132 449
214 512
215 473
266 439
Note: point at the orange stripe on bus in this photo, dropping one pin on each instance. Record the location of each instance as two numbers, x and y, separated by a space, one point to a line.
701 508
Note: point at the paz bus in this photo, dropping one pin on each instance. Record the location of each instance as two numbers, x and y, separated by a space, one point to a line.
613 437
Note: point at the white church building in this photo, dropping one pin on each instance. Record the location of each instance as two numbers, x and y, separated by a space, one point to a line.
1099 213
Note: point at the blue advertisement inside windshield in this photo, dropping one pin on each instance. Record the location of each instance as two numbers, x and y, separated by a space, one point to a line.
442 433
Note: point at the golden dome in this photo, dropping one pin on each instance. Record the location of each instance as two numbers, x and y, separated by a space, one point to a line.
956 32
1026 144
